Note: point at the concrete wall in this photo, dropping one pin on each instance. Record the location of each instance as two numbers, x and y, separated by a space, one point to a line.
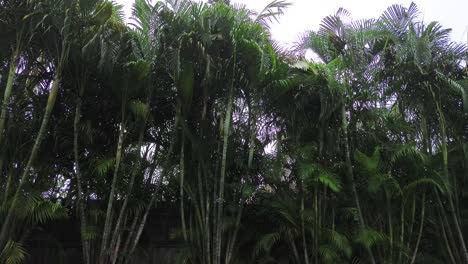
59 242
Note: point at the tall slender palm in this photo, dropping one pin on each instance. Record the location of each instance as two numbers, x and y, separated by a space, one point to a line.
342 46
422 51
62 27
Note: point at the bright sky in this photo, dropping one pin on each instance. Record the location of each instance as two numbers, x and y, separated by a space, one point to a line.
305 15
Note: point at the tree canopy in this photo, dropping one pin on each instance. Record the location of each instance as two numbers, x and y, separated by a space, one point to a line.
358 156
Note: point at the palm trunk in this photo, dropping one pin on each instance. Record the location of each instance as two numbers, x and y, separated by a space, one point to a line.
402 229
445 222
8 186
226 129
153 197
390 224
81 202
181 188
453 209
215 191
107 225
294 248
413 217
7 94
444 235
349 172
253 132
118 225
232 243
304 242
227 124
421 226
130 235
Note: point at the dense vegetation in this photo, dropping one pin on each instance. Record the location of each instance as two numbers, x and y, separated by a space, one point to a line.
358 157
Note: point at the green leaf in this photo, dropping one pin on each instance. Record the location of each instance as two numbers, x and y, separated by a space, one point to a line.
266 242
103 13
13 253
139 109
103 166
369 237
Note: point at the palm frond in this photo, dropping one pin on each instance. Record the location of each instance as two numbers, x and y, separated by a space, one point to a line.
272 11
455 87
13 253
369 237
267 242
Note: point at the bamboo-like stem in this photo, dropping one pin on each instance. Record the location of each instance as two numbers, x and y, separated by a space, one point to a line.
294 248
445 222
118 225
227 123
108 222
304 242
390 224
350 175
253 133
130 236
421 227
453 209
215 191
413 217
81 202
226 130
444 235
8 186
181 190
154 195
7 93
402 229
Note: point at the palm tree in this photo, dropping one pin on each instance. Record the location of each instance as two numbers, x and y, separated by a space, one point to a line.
63 27
342 47
93 18
423 50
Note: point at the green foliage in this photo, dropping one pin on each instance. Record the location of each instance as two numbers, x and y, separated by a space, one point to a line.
267 242
313 174
369 237
13 253
357 157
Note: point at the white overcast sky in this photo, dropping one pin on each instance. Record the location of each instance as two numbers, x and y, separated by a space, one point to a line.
305 15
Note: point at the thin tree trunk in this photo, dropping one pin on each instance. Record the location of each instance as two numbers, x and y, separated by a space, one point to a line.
108 223
181 189
116 248
226 129
153 197
7 93
390 224
316 221
253 133
215 195
81 202
413 217
230 249
446 223
452 209
8 186
402 229
304 243
129 192
349 172
444 235
295 252
421 227
129 237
